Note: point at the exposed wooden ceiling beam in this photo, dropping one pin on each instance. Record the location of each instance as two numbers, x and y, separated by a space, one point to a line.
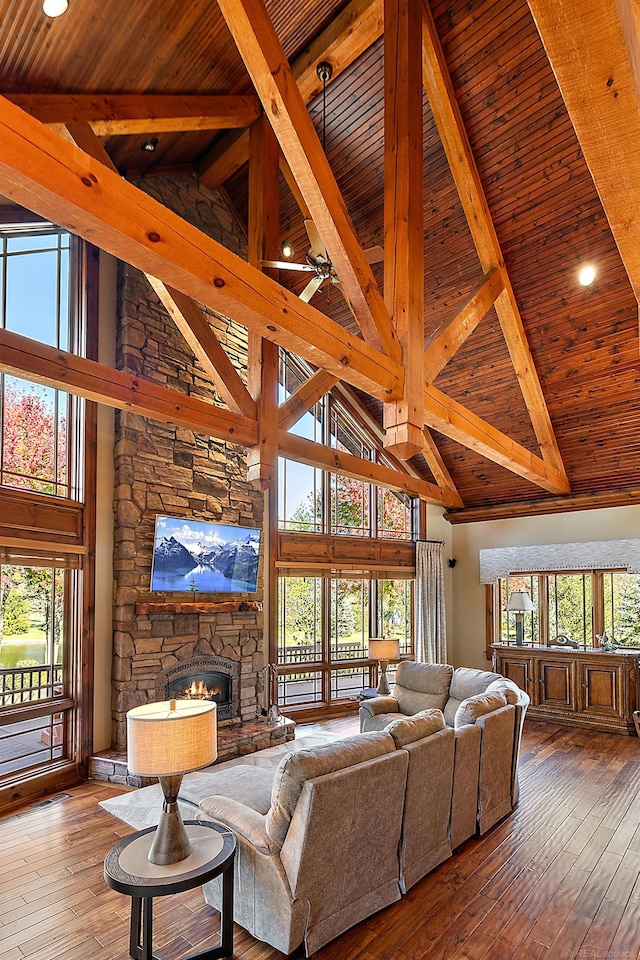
196 330
450 418
345 464
593 48
185 313
57 180
404 218
273 80
125 113
626 496
438 467
348 35
23 357
462 324
304 398
446 112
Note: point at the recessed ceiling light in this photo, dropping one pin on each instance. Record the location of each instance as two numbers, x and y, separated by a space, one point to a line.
286 249
586 276
150 145
54 8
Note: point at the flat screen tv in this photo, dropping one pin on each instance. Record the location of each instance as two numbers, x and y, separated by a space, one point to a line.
202 557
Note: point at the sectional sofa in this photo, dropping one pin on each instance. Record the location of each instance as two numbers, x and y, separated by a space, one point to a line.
331 830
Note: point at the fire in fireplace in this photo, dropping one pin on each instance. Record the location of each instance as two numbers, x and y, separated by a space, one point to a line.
201 685
204 677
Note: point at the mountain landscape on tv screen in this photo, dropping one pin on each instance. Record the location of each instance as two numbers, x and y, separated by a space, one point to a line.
201 567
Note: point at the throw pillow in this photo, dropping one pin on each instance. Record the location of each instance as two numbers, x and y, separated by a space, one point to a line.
420 725
474 707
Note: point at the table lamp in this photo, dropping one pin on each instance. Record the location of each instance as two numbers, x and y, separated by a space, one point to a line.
383 650
520 603
167 740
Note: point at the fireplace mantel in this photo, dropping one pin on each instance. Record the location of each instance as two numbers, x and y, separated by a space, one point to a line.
195 606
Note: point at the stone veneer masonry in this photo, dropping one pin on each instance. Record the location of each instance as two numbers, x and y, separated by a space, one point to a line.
161 468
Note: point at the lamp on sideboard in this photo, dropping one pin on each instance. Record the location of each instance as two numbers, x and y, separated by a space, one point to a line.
520 603
166 740
383 650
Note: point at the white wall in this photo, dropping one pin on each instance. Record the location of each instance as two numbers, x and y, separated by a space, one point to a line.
104 516
466 613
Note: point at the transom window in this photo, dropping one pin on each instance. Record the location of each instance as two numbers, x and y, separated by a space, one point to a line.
36 302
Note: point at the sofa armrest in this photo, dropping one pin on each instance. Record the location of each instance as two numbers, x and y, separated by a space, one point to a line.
243 821
378 705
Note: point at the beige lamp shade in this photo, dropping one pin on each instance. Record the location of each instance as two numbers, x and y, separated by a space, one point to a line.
384 649
520 602
171 737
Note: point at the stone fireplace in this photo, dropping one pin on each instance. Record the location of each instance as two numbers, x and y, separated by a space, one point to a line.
203 678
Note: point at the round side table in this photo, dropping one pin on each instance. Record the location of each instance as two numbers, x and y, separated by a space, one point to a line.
127 870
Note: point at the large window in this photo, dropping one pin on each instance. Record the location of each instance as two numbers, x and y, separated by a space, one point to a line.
324 625
325 621
581 606
42 469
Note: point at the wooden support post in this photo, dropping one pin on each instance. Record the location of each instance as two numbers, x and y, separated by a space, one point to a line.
264 230
404 217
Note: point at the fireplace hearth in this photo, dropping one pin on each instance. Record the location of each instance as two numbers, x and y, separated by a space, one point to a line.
203 678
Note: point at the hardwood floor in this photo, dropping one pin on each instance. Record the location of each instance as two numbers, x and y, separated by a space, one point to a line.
559 878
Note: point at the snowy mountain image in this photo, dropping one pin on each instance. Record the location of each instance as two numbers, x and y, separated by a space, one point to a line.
196 556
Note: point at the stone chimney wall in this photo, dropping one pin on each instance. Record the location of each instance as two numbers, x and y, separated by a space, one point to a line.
165 469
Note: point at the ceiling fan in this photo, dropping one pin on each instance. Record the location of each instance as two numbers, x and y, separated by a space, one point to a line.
317 257
318 262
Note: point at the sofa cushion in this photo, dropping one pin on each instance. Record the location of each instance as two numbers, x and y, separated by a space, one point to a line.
466 682
422 686
474 707
417 727
295 769
380 721
507 687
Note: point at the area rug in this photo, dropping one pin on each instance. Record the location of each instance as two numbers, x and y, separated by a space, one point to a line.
141 808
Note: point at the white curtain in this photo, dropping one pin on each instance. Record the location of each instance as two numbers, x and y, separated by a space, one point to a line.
430 626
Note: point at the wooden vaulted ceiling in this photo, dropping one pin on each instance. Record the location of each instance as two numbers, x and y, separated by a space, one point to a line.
525 145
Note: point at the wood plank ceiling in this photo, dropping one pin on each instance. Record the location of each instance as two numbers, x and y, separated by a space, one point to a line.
541 202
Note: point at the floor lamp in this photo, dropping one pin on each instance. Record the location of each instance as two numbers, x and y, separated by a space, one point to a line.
520 603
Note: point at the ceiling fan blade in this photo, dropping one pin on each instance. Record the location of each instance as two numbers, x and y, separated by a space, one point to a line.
287 265
317 246
374 255
310 289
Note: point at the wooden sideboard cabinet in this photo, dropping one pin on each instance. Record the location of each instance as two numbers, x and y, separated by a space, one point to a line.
588 688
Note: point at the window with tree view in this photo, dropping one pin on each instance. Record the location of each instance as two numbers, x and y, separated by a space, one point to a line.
580 606
41 456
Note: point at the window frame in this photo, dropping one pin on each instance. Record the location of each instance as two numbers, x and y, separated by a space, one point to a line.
495 598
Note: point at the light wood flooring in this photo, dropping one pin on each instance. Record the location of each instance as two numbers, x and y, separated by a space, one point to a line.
559 878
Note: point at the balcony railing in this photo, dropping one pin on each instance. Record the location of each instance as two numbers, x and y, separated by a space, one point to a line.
29 684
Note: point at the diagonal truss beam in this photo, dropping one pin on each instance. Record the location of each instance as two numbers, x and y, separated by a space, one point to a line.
185 313
449 417
438 467
304 398
23 357
118 114
55 179
271 74
345 464
462 324
348 35
196 330
446 112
